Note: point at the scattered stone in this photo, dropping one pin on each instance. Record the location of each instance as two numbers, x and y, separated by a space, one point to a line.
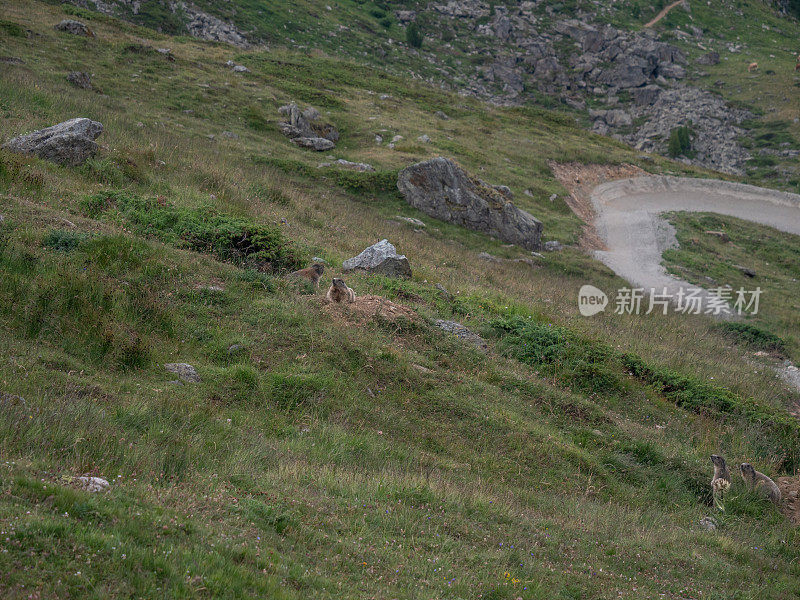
747 272
723 237
74 27
68 143
317 259
234 349
306 130
378 139
553 246
441 115
229 134
461 332
92 484
240 69
167 52
410 221
445 292
11 399
314 143
442 189
379 258
553 197
11 60
709 59
490 257
80 80
425 139
397 138
708 523
183 370
352 166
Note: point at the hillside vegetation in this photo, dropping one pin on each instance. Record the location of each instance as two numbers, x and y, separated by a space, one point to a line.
326 453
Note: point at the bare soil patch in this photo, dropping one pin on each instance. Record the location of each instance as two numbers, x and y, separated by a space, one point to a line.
368 307
580 180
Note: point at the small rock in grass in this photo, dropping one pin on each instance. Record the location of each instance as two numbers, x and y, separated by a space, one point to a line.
80 80
92 484
183 370
708 523
74 27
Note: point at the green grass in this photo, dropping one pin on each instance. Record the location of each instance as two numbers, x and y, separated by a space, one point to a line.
772 255
334 457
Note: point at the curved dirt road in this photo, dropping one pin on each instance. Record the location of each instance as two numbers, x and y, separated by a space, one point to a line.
628 220
664 13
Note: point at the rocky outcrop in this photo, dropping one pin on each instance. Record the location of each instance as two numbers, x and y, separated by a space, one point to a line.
68 143
379 258
208 27
74 27
442 189
198 23
715 127
306 129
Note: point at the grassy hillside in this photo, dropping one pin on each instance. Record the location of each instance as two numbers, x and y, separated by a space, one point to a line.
752 255
327 453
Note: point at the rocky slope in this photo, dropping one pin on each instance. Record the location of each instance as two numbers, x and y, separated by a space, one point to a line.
634 85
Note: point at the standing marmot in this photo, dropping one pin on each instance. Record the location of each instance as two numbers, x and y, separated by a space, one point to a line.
339 292
759 481
312 273
721 481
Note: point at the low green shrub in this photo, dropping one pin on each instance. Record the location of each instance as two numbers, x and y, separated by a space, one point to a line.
60 240
238 240
11 29
755 337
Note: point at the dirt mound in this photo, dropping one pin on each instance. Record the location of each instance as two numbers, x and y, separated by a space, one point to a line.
790 490
368 307
580 180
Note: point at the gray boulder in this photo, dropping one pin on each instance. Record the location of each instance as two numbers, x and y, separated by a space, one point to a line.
379 258
80 79
306 129
314 143
68 143
461 332
74 27
645 96
442 189
553 246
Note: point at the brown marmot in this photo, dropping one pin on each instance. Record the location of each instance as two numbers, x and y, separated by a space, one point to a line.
721 481
312 273
759 481
339 292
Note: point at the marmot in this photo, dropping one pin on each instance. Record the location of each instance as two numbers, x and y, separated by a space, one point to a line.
759 481
312 273
339 292
721 481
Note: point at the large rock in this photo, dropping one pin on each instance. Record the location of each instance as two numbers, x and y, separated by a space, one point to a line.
68 143
306 129
441 189
379 258
645 96
74 27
